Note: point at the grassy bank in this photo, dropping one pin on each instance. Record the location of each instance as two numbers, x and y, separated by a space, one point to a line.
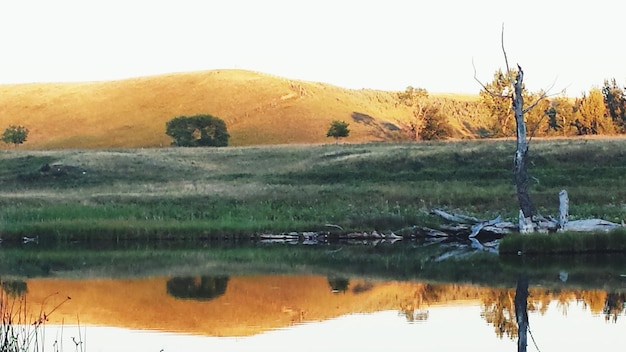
208 193
565 243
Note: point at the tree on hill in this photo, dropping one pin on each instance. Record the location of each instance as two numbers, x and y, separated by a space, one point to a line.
411 96
197 131
435 125
429 121
15 135
338 129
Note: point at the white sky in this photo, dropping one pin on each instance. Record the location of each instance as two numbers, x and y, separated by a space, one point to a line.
379 44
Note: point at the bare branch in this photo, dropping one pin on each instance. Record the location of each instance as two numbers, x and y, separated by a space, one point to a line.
485 87
477 80
506 58
535 127
543 95
531 106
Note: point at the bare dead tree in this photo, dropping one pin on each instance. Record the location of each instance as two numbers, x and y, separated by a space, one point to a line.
520 160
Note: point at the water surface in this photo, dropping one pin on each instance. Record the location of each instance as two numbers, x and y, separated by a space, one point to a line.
315 313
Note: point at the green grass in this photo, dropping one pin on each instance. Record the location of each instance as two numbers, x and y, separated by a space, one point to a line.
565 243
198 193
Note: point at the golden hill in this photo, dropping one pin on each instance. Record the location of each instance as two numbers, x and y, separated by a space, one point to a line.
257 108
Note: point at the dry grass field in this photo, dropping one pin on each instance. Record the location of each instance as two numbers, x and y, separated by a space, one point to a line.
257 108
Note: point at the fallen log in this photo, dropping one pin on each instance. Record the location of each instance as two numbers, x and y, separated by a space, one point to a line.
463 219
590 225
477 227
470 226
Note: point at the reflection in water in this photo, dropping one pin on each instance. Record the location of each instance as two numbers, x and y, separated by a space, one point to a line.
413 306
201 288
14 288
613 306
252 305
338 284
521 312
498 310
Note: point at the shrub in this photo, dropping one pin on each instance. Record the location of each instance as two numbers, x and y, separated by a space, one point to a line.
436 126
338 129
15 135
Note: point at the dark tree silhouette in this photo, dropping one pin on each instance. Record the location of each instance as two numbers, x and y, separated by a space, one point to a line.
338 129
338 284
14 288
197 131
201 288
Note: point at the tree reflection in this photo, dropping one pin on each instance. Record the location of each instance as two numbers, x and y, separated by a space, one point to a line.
14 288
201 288
338 284
498 310
563 299
613 306
521 312
423 295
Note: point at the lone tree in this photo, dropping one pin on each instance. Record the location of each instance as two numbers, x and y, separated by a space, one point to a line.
520 161
338 129
197 131
15 135
428 122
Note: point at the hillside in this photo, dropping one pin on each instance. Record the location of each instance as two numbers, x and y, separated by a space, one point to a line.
257 108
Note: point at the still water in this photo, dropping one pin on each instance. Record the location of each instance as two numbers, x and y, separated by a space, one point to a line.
314 313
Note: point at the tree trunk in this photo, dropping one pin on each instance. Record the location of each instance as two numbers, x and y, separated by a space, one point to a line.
521 312
521 153
563 210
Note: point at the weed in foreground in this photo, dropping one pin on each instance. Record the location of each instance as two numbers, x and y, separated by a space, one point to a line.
19 330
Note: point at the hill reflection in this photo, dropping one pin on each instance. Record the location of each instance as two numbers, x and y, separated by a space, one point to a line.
249 305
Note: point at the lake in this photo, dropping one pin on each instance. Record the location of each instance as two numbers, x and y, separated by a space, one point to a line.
308 308
311 312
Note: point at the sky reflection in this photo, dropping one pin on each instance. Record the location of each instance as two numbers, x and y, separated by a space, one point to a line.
448 328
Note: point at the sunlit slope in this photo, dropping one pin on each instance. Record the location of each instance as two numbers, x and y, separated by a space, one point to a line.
257 108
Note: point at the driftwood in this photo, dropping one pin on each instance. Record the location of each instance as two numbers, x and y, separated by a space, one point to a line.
525 225
462 219
479 233
313 237
563 209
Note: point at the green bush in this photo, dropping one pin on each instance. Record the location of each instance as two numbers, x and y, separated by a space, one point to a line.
15 135
338 129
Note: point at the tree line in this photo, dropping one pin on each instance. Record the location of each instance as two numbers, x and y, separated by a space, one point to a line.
600 111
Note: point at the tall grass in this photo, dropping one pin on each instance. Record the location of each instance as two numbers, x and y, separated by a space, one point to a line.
177 192
20 331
